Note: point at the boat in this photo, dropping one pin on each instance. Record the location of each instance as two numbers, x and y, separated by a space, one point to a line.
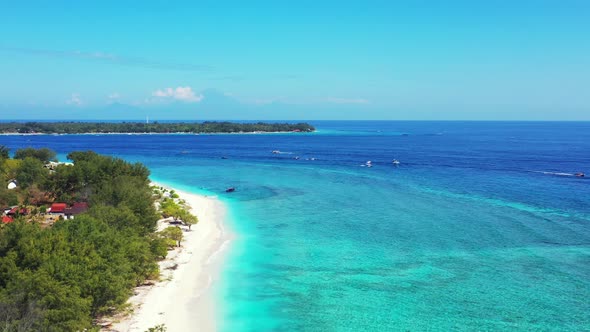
276 151
230 190
395 162
580 174
368 164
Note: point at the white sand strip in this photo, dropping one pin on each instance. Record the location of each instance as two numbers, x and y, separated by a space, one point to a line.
182 301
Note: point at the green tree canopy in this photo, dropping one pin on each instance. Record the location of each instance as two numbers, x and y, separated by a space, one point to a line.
4 152
188 218
140 127
31 171
173 233
58 278
44 155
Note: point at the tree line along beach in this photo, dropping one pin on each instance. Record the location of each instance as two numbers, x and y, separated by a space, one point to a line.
153 127
61 272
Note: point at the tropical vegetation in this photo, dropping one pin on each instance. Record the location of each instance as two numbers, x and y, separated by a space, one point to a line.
61 276
155 127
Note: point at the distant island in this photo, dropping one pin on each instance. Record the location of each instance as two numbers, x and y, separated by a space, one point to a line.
155 127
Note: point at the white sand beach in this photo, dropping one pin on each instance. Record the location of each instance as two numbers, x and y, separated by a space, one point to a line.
182 300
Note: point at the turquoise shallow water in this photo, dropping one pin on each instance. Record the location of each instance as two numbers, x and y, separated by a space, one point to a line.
473 232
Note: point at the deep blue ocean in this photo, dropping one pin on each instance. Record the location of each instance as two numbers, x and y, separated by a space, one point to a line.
482 226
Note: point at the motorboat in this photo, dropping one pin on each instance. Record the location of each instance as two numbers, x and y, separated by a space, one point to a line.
276 151
230 190
368 164
395 162
580 175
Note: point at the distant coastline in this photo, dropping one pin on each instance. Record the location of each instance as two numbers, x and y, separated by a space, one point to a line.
62 128
151 133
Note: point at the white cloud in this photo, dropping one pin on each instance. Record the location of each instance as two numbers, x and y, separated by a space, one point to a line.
74 100
114 96
185 94
346 100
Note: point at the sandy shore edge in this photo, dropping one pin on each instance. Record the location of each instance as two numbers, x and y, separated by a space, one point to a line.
183 300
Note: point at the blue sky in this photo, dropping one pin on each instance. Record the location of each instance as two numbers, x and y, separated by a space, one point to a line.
479 60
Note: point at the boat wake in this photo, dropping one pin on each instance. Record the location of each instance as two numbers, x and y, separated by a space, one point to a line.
554 173
560 173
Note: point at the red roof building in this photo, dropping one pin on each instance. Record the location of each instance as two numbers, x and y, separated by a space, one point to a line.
77 208
7 220
58 208
16 210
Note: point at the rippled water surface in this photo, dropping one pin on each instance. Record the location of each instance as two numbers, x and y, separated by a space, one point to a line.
481 227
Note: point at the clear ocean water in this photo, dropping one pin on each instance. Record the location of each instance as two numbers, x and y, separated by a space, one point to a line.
480 228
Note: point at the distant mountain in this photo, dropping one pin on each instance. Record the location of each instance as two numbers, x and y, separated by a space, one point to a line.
215 105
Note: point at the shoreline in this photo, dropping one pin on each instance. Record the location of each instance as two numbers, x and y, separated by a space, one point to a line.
183 298
174 133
